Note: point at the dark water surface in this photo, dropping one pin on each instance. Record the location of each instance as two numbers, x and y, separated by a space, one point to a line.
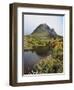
33 57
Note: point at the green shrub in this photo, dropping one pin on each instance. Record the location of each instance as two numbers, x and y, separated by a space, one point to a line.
48 65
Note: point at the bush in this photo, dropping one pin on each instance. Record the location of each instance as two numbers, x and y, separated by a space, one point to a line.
48 65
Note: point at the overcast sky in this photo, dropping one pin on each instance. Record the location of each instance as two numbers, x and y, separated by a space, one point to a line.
32 21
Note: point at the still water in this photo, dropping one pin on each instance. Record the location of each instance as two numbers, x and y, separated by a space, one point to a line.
33 57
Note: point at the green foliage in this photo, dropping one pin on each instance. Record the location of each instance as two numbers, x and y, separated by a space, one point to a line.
31 41
57 49
48 65
53 63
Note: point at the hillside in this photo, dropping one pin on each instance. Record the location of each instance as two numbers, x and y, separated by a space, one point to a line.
41 36
48 45
43 30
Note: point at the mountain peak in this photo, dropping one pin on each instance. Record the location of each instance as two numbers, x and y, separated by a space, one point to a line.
44 25
44 30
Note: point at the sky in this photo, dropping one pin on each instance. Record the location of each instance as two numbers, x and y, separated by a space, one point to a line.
32 21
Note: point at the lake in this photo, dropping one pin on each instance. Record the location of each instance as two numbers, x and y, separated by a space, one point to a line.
32 57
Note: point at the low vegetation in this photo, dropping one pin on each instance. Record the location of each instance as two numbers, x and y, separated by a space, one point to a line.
53 63
48 65
43 40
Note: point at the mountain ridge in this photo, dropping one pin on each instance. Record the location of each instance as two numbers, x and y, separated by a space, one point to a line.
44 30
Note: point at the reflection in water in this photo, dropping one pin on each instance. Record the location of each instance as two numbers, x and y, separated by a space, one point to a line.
42 51
32 57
